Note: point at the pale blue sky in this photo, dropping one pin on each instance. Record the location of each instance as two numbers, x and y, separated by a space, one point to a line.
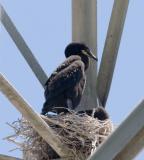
46 27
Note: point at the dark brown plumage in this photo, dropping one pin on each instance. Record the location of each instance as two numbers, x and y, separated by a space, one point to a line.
65 86
98 112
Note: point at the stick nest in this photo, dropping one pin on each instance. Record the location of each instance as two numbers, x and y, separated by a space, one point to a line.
81 133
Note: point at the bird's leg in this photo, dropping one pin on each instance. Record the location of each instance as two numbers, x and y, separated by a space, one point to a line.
93 112
69 104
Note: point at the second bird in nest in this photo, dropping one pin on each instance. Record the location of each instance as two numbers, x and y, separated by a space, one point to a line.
65 86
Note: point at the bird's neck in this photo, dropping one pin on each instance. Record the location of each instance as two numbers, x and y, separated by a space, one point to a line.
85 60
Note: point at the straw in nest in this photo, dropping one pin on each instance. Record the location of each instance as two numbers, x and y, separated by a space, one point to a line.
81 133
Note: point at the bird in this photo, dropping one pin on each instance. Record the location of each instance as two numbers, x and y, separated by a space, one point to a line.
99 112
65 87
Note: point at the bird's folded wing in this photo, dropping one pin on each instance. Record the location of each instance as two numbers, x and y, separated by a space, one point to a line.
65 79
64 65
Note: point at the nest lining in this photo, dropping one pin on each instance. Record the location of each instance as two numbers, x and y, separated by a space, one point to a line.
81 133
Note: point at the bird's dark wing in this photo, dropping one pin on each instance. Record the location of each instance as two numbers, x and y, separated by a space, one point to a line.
64 65
64 79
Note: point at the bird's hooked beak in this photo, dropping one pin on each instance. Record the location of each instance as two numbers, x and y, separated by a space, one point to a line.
89 54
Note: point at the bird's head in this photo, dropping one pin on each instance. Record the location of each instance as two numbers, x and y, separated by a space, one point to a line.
82 50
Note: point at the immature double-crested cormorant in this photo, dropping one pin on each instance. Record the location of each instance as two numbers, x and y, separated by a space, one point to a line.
98 112
65 86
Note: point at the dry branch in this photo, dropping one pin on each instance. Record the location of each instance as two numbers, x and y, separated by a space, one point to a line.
36 121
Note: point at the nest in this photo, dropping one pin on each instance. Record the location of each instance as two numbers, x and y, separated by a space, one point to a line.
81 133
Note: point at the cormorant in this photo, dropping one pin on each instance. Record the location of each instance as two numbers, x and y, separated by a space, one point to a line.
65 86
98 112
